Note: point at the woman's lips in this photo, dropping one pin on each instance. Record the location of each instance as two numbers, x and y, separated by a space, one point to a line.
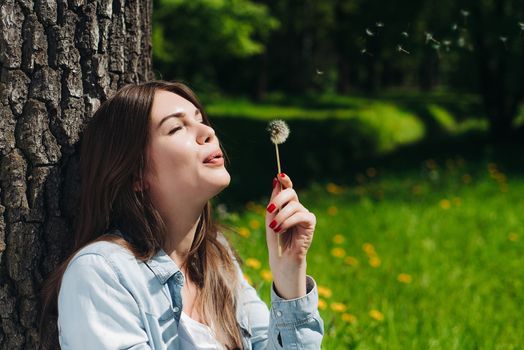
215 161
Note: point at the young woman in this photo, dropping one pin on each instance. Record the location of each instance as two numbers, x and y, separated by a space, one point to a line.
149 268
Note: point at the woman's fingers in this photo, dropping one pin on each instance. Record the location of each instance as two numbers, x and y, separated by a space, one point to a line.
290 209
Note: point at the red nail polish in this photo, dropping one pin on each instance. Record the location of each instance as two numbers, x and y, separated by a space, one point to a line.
273 224
278 228
271 207
282 175
274 182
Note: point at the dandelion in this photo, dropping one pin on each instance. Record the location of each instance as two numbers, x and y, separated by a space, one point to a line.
404 34
377 315
445 204
404 278
278 134
349 318
401 49
513 236
338 239
338 307
266 275
369 32
244 232
351 261
254 224
324 292
333 188
375 261
369 249
253 263
338 252
332 210
322 305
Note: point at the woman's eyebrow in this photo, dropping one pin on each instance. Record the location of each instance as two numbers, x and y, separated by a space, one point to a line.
175 115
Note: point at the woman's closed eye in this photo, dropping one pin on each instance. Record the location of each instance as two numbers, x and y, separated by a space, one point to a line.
177 128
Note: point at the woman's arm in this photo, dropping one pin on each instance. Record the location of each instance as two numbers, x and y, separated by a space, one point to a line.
95 311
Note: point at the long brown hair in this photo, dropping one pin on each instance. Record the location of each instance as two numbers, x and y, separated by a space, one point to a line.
112 158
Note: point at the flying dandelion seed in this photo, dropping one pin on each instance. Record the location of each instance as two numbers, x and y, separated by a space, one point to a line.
521 25
504 40
429 37
369 32
454 27
401 49
461 42
366 52
447 44
464 13
404 34
379 24
319 72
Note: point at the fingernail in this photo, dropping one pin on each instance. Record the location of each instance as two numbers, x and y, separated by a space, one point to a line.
274 181
278 228
282 175
273 224
271 207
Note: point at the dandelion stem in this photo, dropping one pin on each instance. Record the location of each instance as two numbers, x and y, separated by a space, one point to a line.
279 236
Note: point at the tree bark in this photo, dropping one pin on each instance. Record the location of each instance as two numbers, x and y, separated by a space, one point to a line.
58 61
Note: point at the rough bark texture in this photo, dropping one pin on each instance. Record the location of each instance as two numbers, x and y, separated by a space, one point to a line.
58 61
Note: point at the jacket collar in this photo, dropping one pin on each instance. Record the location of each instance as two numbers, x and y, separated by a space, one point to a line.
161 264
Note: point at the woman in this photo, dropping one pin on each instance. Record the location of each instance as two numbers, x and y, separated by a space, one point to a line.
150 269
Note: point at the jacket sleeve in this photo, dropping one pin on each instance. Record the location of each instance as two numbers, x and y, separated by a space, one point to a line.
95 311
290 324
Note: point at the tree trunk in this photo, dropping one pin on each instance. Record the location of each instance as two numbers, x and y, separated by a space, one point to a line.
58 61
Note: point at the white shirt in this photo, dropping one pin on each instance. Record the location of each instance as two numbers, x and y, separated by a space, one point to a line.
196 335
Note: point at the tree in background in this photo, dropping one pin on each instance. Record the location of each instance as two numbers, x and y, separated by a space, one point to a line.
58 61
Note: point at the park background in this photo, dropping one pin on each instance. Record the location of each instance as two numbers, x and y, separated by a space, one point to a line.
406 141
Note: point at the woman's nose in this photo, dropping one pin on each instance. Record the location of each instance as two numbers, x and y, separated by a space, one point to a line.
206 134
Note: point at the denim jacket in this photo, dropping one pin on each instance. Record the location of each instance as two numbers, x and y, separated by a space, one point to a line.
110 300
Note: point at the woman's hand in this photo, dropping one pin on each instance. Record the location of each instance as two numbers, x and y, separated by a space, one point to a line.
286 216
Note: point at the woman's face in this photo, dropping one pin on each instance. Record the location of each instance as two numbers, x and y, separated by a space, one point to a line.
180 143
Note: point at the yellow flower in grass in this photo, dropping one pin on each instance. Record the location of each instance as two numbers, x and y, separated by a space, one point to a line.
244 232
248 279
338 307
513 236
349 318
445 204
253 263
338 252
334 188
254 224
351 261
332 210
266 275
457 201
324 292
338 239
374 261
369 249
322 305
377 315
404 278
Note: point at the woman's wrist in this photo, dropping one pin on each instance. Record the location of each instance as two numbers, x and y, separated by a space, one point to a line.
289 281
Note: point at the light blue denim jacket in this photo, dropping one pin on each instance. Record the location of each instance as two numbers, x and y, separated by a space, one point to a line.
110 300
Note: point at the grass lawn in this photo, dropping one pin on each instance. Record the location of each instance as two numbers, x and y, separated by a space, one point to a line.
427 260
423 251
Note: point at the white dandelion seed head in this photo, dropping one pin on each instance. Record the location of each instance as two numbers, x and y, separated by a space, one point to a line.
369 32
278 131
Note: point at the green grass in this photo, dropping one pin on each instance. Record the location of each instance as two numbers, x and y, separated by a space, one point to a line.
455 227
